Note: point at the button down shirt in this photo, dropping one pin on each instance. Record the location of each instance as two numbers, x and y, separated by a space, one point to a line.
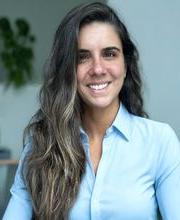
138 173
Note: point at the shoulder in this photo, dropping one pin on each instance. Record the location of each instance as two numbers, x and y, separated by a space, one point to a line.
157 137
156 131
26 148
160 143
160 138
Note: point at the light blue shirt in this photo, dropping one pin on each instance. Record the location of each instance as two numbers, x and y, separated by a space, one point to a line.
139 171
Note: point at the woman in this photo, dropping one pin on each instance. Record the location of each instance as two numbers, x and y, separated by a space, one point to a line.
93 154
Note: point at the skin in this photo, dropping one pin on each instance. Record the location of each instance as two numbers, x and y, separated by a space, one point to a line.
100 76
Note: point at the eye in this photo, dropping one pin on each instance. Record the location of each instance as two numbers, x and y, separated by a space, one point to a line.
83 57
109 54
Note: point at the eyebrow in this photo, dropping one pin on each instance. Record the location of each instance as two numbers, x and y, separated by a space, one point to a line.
83 51
112 48
104 49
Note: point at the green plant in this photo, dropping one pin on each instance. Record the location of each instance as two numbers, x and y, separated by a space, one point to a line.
16 52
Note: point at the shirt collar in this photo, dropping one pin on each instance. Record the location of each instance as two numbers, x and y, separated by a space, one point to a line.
123 122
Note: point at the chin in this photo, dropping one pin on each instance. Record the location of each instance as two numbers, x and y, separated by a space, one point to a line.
102 104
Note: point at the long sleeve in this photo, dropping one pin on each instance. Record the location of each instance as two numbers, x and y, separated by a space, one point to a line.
168 182
19 206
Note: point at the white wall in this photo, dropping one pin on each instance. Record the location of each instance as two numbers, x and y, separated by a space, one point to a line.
154 26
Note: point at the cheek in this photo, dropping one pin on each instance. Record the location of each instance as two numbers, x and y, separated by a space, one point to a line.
117 69
80 80
118 72
79 76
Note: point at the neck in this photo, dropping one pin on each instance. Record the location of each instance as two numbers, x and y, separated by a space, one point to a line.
96 121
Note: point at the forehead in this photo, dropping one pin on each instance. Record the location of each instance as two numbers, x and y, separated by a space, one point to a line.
98 34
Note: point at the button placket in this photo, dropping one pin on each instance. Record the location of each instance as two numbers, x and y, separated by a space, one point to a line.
99 182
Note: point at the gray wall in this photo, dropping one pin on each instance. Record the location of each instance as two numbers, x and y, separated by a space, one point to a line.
154 26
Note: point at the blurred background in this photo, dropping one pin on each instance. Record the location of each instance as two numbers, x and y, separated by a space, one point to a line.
153 26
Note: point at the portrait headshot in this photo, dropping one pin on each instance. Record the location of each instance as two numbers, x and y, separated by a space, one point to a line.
102 139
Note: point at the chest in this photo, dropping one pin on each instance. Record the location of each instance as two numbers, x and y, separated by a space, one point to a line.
123 187
95 153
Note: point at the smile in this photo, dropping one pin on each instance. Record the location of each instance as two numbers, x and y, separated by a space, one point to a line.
98 86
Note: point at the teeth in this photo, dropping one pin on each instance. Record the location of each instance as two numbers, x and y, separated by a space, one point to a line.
99 86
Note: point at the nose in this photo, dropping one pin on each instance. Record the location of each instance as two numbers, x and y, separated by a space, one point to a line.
98 66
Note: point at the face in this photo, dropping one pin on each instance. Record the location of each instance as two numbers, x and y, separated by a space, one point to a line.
101 68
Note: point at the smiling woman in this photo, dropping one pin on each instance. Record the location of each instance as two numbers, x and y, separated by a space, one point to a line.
91 152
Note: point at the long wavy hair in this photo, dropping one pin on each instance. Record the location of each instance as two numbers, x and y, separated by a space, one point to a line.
54 167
